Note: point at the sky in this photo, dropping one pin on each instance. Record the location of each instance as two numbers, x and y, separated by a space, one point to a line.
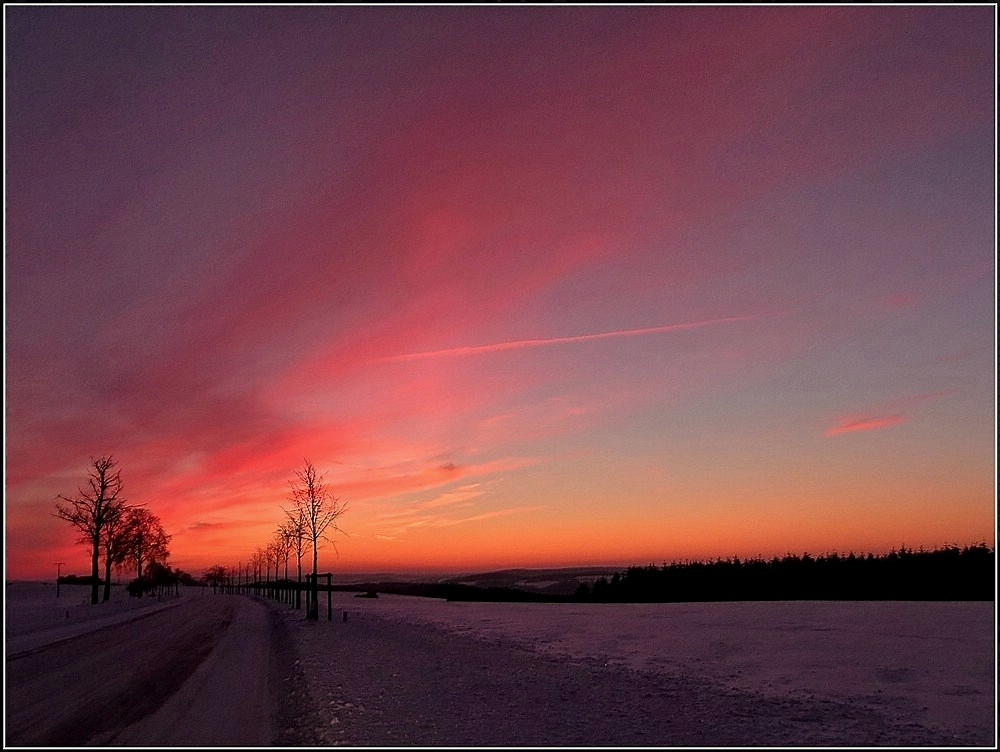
531 286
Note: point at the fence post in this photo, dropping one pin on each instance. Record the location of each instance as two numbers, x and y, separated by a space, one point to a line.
312 599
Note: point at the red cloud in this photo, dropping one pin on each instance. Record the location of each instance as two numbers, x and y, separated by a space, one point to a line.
901 300
887 414
866 424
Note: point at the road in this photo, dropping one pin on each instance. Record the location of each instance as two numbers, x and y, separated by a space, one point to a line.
202 672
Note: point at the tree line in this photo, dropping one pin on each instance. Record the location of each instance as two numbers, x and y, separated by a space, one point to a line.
310 520
948 573
124 535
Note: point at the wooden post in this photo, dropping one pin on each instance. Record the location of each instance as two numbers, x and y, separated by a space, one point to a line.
312 598
329 597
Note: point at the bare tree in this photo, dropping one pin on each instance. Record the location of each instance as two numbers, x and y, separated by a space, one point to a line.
272 558
295 529
320 510
116 542
144 539
92 507
284 543
283 546
216 576
258 560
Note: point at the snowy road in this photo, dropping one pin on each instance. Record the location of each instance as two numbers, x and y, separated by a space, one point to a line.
198 673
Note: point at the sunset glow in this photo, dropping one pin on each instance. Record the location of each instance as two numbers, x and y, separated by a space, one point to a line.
532 286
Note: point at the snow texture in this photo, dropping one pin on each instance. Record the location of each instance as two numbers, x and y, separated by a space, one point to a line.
895 673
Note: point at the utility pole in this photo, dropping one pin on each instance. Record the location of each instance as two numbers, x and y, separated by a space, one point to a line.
58 574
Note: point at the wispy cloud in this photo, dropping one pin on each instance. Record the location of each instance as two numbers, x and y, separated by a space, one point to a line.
885 416
449 520
866 424
489 515
390 484
460 496
447 509
206 525
521 344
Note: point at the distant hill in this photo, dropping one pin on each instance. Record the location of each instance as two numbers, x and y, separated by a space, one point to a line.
561 581
501 585
949 573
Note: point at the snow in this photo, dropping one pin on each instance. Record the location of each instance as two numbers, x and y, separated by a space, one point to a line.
932 661
34 616
921 663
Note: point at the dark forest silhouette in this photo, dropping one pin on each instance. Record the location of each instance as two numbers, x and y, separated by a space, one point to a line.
948 573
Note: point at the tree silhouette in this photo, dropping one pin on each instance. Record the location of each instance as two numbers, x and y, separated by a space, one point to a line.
115 542
949 573
283 544
93 506
295 530
320 510
273 558
216 576
143 539
258 559
159 578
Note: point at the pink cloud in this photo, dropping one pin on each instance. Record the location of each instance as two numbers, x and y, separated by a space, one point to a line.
889 414
376 484
901 300
866 424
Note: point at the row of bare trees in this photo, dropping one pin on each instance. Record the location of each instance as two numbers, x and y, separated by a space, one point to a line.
126 535
309 521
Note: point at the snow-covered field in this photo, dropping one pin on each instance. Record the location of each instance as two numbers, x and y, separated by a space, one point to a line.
925 662
35 616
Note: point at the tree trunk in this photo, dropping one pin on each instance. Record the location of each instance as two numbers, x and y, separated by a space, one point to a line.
298 590
107 578
94 570
312 612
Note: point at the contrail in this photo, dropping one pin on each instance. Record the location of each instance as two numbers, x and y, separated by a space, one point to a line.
520 344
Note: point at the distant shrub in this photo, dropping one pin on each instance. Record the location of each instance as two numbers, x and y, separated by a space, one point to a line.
159 578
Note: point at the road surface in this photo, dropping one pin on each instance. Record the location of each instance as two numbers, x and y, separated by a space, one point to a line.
203 672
